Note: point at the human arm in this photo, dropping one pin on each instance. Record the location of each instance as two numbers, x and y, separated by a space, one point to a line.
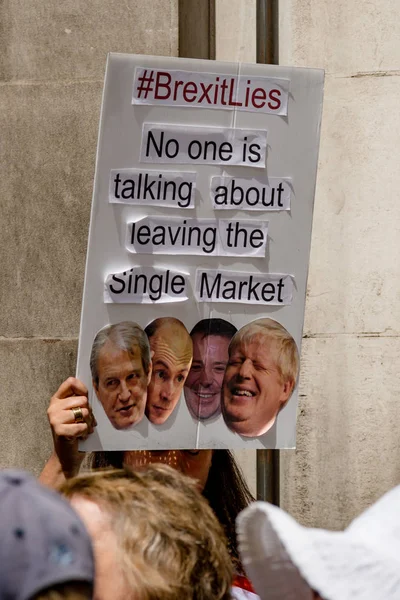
66 459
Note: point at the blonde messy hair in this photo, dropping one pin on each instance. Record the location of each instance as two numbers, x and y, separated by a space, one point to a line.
287 357
171 544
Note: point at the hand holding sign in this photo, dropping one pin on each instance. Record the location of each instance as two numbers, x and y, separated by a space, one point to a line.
72 394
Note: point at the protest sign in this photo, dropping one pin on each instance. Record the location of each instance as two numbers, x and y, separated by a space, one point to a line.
198 253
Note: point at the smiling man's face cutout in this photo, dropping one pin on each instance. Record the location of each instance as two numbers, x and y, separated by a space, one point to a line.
172 353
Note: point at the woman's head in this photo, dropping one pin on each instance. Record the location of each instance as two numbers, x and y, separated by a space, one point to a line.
215 471
153 528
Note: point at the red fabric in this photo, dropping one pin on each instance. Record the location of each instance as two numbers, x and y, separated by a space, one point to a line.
242 582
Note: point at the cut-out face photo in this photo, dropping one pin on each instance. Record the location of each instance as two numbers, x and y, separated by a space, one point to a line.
120 363
172 352
211 339
260 377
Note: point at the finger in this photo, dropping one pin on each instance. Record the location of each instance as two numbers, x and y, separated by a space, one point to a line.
58 408
74 402
92 417
73 431
92 424
69 416
70 387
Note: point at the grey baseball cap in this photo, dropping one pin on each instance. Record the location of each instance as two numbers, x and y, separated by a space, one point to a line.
43 542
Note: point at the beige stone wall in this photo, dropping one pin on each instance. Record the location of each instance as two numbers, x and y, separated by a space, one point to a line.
235 38
348 448
52 60
348 445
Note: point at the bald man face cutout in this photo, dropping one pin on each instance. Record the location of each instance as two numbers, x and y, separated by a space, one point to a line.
172 353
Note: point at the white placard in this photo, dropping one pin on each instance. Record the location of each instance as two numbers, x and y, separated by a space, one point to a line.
185 144
244 288
210 90
199 313
239 193
197 237
152 188
146 285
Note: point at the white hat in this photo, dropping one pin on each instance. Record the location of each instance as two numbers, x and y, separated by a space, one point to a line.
360 563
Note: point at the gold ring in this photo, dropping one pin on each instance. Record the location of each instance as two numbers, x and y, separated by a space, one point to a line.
78 415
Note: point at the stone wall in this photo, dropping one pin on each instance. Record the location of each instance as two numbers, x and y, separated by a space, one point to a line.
52 62
348 448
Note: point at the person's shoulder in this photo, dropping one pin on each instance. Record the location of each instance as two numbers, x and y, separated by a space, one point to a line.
241 594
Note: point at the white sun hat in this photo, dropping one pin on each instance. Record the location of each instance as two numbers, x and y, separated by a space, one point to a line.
285 561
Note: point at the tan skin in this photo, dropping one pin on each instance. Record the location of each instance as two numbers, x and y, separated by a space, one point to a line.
66 459
194 463
122 385
204 383
172 352
253 389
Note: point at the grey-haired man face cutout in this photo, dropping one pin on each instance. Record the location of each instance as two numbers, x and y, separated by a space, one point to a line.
122 384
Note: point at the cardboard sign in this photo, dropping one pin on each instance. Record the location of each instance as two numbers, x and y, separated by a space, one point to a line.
198 253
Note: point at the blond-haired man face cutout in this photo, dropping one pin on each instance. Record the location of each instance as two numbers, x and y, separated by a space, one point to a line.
255 389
